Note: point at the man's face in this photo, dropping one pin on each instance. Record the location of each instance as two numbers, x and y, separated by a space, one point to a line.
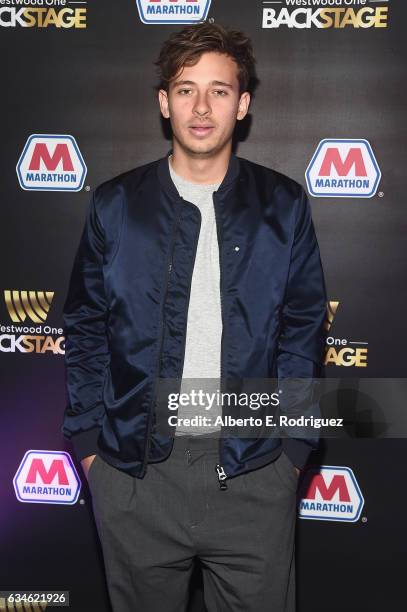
203 105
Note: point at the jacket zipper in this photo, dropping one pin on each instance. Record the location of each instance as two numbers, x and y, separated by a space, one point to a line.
157 369
218 467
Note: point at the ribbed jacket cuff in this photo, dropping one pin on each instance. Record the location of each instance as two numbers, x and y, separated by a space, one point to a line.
85 443
296 450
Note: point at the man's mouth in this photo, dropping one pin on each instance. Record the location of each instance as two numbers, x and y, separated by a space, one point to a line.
201 130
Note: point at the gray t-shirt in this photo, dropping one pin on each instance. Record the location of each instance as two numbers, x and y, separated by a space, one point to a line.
204 324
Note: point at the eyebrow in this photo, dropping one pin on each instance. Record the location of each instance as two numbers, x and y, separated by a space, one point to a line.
219 83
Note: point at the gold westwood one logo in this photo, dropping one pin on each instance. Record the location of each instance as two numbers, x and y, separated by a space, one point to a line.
338 352
32 304
8 606
331 308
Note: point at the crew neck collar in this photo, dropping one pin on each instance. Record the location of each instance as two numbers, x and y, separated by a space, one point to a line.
164 175
183 181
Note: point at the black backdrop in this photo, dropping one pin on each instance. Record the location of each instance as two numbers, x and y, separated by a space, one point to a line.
96 83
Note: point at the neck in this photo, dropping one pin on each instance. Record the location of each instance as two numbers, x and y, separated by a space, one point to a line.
203 170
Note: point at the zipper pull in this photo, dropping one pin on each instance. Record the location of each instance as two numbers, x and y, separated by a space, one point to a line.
221 477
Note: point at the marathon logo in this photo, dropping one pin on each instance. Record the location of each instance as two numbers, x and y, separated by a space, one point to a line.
325 14
51 162
173 11
330 493
343 168
47 477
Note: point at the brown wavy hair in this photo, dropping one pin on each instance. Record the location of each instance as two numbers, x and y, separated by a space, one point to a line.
185 47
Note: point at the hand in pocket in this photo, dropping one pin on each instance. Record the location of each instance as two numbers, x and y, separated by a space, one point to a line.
86 462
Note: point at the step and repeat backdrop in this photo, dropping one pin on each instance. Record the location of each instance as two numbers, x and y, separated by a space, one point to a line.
78 107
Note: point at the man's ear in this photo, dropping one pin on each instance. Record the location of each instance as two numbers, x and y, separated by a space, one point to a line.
163 101
243 107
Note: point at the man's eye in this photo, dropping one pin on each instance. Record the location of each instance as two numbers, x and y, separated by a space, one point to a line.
184 91
220 92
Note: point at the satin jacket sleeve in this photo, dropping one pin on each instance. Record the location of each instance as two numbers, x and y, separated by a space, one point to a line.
86 346
302 336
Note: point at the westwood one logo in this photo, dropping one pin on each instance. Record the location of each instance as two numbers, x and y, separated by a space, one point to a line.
331 493
24 308
51 162
341 351
343 168
325 14
47 477
173 11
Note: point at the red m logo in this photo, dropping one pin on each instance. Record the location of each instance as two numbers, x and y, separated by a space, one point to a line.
41 152
333 158
338 483
37 468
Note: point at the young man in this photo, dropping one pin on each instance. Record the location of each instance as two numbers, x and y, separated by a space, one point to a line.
199 266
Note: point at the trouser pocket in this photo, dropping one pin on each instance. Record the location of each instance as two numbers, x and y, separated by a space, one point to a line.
286 471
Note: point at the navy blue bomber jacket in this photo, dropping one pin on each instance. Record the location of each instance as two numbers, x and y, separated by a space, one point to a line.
126 308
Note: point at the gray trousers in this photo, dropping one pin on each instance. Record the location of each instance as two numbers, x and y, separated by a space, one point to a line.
151 530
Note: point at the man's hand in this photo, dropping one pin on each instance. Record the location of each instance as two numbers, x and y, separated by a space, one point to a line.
86 462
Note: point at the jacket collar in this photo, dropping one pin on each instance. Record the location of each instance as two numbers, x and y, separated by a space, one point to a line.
165 179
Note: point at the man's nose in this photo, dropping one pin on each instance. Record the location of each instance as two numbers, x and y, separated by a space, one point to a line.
201 106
